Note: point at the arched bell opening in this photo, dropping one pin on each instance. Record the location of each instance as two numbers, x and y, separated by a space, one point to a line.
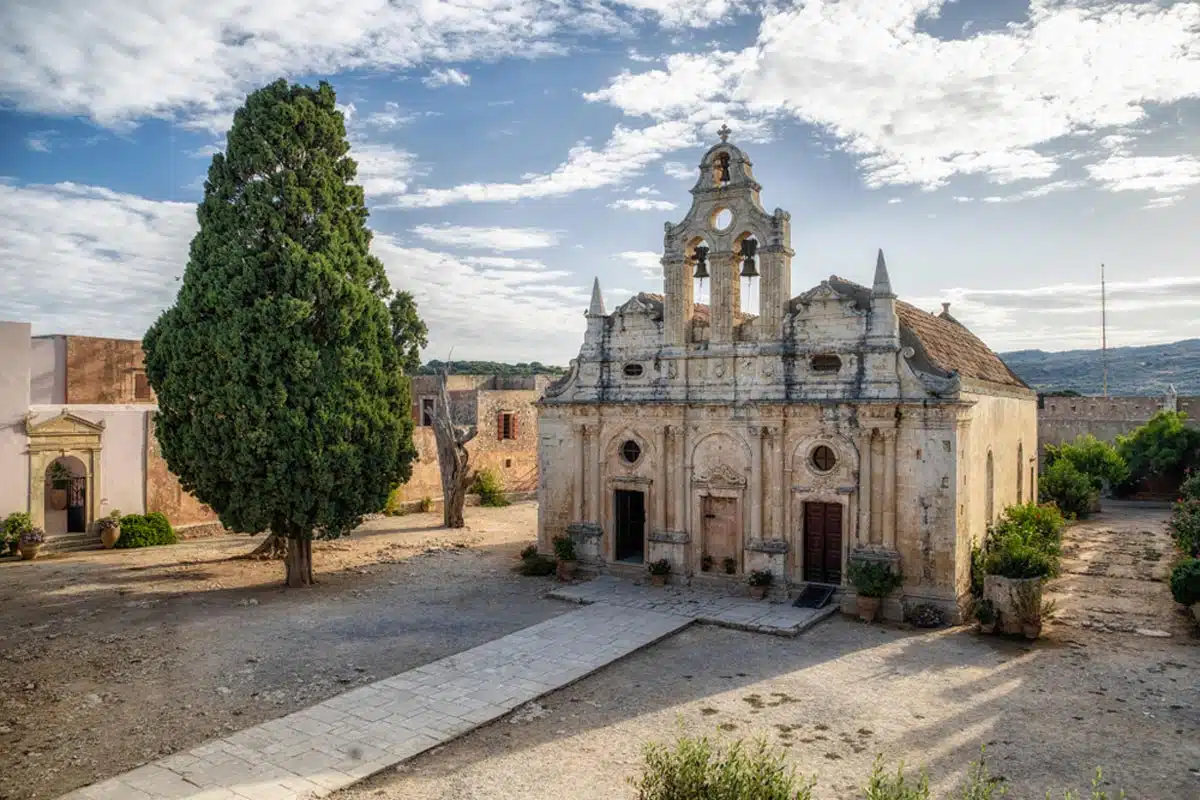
747 262
698 253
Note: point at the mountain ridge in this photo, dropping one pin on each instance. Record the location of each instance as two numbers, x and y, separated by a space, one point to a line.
1143 370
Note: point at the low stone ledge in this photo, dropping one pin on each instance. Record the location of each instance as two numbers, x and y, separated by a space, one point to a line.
771 546
585 530
670 537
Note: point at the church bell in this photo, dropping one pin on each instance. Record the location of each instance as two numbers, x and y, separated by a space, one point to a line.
701 258
749 248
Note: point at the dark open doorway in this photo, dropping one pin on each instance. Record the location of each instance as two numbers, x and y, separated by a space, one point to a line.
630 527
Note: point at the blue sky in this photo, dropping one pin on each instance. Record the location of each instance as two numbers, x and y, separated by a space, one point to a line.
511 150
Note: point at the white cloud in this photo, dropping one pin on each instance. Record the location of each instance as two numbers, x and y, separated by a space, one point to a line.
391 117
678 171
646 190
626 152
647 263
39 141
643 204
895 200
207 151
1165 201
384 170
501 239
446 77
1163 174
689 13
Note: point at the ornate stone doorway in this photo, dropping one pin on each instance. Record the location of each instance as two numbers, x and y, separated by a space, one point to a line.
721 525
73 443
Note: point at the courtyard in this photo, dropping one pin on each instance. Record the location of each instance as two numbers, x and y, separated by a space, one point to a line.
115 659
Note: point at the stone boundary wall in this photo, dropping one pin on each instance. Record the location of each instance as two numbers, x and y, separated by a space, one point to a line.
1061 419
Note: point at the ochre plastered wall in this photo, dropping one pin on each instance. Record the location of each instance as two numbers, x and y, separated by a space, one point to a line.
102 370
163 492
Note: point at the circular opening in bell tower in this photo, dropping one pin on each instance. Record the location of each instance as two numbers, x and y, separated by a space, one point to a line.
722 219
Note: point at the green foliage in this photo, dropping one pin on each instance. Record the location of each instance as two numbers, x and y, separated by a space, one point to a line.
529 552
660 567
1097 792
1185 581
409 332
15 524
490 368
886 786
1164 446
107 524
1040 526
873 578
1189 489
729 563
395 505
148 530
1185 525
761 577
985 612
1064 485
426 504
534 563
32 536
564 548
58 473
979 783
696 769
490 489
1098 460
281 397
1014 557
978 570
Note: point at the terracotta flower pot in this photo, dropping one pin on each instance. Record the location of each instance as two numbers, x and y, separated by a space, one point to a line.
867 607
109 537
57 498
758 592
566 570
658 580
29 551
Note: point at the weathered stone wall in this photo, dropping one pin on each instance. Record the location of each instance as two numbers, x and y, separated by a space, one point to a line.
163 492
1062 419
103 370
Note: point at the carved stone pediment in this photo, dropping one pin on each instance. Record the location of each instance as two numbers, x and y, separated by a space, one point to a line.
65 424
722 475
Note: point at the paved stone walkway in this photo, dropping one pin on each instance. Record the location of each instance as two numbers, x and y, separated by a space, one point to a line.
761 616
333 744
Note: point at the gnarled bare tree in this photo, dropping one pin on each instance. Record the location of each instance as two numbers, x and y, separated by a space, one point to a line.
453 458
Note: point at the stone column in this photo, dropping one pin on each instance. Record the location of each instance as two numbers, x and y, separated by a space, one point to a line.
679 492
889 490
724 283
772 485
785 492
595 461
756 481
678 304
877 483
660 500
865 466
580 467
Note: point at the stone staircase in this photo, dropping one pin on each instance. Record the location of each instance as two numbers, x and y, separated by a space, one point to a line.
72 542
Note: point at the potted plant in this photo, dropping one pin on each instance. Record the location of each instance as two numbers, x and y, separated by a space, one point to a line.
59 478
760 580
706 563
31 543
1031 610
15 524
873 581
659 570
109 529
568 561
985 614
730 565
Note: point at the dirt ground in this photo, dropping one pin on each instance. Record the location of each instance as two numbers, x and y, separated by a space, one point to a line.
1093 692
110 659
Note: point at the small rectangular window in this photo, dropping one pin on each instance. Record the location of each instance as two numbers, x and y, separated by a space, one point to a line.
141 387
506 425
826 363
426 411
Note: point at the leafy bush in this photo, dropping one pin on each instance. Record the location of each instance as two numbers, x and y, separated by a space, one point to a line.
660 567
529 552
1038 525
873 578
33 536
730 564
490 489
1068 488
1014 557
15 524
426 504
1189 489
395 506
1098 460
761 577
1185 581
885 786
695 769
564 548
536 564
1164 446
978 570
1185 525
148 530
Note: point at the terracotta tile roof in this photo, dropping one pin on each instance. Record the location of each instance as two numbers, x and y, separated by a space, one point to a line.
951 346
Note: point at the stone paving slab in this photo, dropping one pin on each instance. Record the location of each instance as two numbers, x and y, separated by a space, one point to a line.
318 750
714 608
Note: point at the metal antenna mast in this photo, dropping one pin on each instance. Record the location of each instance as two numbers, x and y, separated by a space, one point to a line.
1104 328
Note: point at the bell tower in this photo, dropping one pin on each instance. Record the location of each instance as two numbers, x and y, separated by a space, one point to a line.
727 235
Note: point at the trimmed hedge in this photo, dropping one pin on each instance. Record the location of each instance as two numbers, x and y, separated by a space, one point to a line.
146 530
1185 582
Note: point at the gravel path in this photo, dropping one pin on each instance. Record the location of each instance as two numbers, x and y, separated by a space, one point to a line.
112 659
843 692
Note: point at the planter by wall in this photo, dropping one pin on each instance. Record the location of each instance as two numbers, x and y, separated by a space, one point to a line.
29 551
867 607
109 537
1003 594
566 570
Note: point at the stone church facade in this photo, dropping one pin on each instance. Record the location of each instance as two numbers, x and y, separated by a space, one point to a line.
837 424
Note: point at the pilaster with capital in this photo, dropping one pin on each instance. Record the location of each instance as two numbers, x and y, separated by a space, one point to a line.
756 481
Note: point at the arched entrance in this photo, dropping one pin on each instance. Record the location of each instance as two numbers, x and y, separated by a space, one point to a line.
66 506
64 471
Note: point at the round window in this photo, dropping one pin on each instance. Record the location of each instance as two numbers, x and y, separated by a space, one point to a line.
722 219
633 370
631 451
823 458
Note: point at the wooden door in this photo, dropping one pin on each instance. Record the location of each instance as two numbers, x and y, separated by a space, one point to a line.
629 526
823 542
721 527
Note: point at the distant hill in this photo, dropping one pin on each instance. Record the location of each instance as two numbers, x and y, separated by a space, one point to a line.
1131 370
490 368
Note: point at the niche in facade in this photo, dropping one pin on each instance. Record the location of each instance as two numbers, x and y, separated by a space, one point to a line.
633 370
825 363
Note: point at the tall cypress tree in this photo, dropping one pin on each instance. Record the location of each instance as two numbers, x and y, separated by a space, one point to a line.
281 396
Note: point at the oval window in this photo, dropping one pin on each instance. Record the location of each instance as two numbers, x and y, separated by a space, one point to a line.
826 363
633 370
722 219
631 451
823 458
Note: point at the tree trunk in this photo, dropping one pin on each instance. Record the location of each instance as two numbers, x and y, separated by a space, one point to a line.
299 563
453 459
272 547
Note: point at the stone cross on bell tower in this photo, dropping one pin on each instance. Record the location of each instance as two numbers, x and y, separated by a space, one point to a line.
727 230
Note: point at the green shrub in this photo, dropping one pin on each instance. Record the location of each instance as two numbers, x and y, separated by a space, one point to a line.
1098 460
490 489
1164 446
1185 582
537 565
1014 557
660 567
1189 489
978 570
138 530
564 548
15 524
873 578
1068 488
1038 525
529 552
886 786
395 506
1185 525
695 769
426 504
979 783
761 577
